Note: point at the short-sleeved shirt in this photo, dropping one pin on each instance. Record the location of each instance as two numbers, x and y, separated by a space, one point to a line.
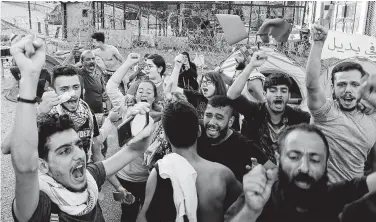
95 89
351 136
257 127
235 152
47 211
327 210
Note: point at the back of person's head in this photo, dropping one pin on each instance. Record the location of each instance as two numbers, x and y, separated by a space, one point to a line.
347 66
220 85
180 123
48 126
220 101
99 36
59 71
159 62
277 79
310 128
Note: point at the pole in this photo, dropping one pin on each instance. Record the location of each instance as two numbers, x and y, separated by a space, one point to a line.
354 18
249 23
139 25
28 5
304 11
93 9
125 17
113 14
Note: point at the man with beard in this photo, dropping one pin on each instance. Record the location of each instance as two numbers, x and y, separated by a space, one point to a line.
95 89
301 192
53 180
66 80
183 183
266 121
219 143
340 118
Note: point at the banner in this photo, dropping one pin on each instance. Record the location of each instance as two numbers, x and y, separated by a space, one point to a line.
342 45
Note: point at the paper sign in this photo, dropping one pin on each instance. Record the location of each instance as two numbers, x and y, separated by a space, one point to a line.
233 28
343 46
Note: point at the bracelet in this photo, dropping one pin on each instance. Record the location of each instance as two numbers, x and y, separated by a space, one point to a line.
19 99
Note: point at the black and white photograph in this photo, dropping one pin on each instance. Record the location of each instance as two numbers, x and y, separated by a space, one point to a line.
188 111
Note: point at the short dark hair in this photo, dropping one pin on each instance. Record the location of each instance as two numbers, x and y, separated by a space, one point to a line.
159 62
220 86
347 66
276 79
180 123
99 36
58 71
220 101
48 126
306 128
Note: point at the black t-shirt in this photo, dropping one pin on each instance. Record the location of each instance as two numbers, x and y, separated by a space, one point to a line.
364 208
235 152
46 209
333 202
256 127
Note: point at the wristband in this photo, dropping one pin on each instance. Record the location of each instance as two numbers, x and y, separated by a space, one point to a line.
19 99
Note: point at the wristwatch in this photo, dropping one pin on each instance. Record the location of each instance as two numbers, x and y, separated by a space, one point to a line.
19 99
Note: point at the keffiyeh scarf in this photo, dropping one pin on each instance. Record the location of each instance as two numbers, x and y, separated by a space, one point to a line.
72 203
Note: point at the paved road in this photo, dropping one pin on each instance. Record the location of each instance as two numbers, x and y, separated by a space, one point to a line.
111 209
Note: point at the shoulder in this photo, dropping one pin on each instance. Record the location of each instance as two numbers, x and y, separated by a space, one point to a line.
297 113
98 172
42 212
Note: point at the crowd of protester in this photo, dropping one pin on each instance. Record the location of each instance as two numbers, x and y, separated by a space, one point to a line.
216 148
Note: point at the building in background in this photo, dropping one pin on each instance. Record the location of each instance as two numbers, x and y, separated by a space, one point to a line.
352 17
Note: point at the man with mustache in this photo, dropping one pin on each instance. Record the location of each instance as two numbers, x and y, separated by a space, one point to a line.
53 180
219 143
95 89
340 118
266 121
300 191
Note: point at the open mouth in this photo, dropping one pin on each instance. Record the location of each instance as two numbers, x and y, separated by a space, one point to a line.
348 100
78 172
303 184
71 104
205 90
278 102
212 131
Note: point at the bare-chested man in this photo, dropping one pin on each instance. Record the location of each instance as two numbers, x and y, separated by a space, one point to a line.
216 185
110 56
108 53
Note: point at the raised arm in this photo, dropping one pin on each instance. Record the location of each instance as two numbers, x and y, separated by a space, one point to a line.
24 141
175 74
237 87
256 89
112 87
254 198
316 93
